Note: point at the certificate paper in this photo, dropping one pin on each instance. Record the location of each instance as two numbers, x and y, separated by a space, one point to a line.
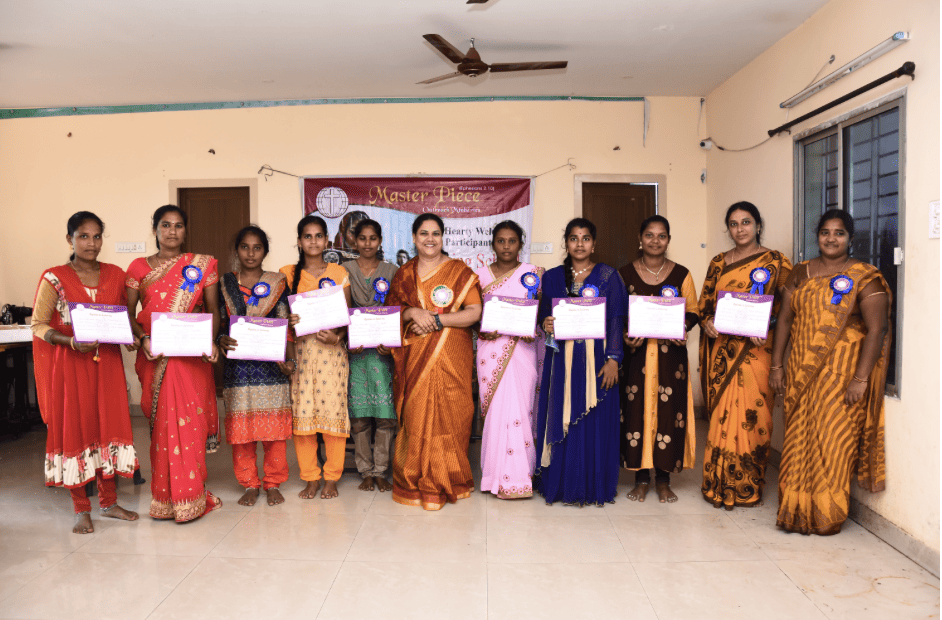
510 316
371 327
99 322
656 317
743 314
180 334
259 339
579 318
324 308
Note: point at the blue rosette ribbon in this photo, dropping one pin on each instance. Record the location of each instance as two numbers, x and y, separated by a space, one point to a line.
325 283
191 277
841 285
590 291
259 291
760 276
381 286
531 282
669 291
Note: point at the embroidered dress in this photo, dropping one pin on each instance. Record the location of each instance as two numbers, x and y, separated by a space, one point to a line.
432 388
657 428
508 384
178 393
578 422
84 403
825 438
735 378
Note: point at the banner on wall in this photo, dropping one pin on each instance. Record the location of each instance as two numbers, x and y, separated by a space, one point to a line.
469 206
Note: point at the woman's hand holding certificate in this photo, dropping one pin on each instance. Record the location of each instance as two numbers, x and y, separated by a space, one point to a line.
101 323
258 339
324 308
656 317
743 314
578 318
510 316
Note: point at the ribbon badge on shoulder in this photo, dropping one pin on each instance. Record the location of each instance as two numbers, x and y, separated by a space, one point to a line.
531 282
760 276
191 277
589 290
381 286
259 291
840 285
441 297
670 291
326 283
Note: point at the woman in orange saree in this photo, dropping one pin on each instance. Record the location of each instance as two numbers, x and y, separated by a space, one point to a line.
178 393
836 317
734 371
440 300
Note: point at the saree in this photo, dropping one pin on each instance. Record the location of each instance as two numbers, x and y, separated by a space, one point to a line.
178 393
83 402
735 379
432 390
578 422
826 439
256 394
508 384
657 428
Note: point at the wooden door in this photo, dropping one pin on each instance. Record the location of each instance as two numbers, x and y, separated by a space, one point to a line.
617 210
214 216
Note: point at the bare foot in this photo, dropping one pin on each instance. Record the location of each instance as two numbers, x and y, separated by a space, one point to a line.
664 493
367 484
330 490
638 493
382 484
117 512
249 497
83 524
275 497
310 491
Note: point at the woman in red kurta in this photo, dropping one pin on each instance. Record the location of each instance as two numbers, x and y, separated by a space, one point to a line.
80 386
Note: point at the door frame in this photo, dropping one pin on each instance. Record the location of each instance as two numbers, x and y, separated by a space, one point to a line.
660 206
175 185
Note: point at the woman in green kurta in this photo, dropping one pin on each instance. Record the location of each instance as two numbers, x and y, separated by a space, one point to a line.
371 396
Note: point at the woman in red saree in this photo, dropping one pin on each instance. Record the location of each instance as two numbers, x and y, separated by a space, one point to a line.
440 300
88 425
179 393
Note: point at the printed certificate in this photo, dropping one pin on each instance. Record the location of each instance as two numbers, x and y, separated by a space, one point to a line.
180 334
324 308
656 317
259 339
743 314
99 322
579 318
371 327
510 316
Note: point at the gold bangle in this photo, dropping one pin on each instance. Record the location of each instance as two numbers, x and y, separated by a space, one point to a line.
72 343
860 380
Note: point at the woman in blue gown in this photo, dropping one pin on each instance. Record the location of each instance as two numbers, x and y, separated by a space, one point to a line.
577 443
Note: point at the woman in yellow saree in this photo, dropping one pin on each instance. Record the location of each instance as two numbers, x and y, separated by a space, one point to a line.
835 314
734 371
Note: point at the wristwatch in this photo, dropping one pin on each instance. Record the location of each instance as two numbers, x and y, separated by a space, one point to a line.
438 324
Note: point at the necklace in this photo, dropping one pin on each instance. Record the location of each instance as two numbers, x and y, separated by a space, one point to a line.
844 266
76 269
366 276
576 273
656 275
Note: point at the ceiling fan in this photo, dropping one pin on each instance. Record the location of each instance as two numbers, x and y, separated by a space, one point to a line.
470 63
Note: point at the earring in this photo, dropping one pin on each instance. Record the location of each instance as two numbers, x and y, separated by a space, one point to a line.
640 246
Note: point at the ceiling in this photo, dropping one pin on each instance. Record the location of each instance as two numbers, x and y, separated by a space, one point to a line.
57 53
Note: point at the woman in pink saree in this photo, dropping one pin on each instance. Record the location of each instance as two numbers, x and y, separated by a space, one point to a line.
508 369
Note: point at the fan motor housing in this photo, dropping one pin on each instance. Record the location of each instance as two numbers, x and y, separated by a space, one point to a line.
473 69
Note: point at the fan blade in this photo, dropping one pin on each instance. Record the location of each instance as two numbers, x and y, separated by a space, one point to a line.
476 1
440 78
443 46
501 67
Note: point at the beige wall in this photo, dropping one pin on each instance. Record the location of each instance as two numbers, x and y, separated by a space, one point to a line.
124 166
742 109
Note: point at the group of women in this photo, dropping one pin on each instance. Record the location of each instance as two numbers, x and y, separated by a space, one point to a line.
561 417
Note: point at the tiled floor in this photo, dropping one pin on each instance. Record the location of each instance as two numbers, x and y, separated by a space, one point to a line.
363 556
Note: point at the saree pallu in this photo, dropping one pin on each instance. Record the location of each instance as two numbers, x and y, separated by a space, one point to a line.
578 422
825 439
508 385
432 391
257 394
178 394
83 402
735 378
657 427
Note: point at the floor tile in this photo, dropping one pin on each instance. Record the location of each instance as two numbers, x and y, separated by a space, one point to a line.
287 589
553 539
473 506
566 591
17 568
148 536
440 538
724 591
684 538
407 590
290 535
781 545
44 527
535 506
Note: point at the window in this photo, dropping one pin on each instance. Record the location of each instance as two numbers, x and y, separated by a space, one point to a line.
854 165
